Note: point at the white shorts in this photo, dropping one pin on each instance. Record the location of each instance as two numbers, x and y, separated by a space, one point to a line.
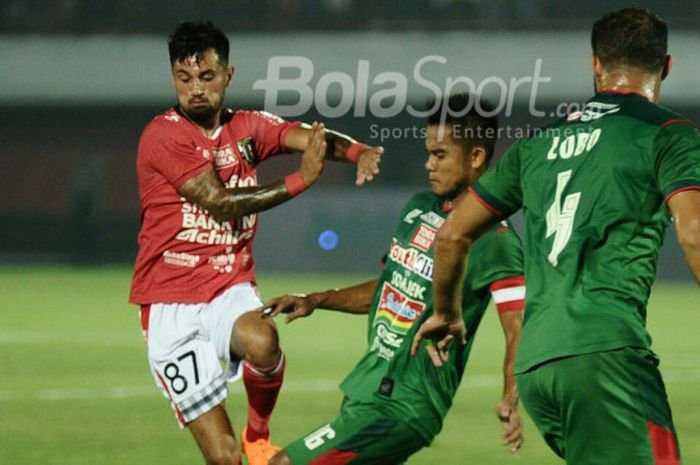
187 345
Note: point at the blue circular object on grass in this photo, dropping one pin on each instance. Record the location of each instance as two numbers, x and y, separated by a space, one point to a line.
328 239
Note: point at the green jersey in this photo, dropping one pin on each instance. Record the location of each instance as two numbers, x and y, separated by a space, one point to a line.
412 388
592 190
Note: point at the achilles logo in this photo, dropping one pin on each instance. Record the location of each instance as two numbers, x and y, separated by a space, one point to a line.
423 238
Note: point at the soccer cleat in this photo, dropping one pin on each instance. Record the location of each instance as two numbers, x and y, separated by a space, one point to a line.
258 452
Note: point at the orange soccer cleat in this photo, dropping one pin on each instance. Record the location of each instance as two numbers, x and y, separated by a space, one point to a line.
258 452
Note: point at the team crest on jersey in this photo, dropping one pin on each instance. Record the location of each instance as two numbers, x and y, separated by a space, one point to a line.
246 148
396 310
423 238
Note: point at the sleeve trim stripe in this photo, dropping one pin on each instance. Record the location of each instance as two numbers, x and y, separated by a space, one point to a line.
682 189
676 121
512 306
508 295
483 202
513 281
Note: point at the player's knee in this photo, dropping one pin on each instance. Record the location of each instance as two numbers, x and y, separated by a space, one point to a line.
264 347
223 455
256 340
280 458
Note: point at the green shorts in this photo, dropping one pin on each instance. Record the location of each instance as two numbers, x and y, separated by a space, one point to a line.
603 408
360 434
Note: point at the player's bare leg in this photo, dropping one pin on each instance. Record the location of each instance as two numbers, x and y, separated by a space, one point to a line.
214 436
255 339
280 458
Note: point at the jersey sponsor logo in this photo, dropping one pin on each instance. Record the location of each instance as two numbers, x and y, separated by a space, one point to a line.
396 310
423 238
234 181
199 227
596 110
180 259
411 288
385 342
411 216
246 148
223 263
213 237
573 145
223 157
412 260
433 219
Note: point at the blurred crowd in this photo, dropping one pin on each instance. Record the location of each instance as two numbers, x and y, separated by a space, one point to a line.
253 16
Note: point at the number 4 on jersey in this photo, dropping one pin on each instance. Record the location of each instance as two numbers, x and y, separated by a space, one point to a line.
560 219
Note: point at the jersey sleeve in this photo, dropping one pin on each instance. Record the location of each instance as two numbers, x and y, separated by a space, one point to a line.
508 294
677 149
498 255
499 189
173 154
269 133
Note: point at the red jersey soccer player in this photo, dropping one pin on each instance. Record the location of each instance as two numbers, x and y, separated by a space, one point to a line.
194 273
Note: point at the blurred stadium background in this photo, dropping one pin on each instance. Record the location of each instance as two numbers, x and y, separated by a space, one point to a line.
82 78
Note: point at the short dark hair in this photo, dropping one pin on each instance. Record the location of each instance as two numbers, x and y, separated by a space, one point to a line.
631 36
474 115
194 39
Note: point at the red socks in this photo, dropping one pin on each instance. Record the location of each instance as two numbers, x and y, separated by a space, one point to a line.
262 386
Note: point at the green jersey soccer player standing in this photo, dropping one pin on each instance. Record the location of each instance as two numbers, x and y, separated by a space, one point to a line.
598 191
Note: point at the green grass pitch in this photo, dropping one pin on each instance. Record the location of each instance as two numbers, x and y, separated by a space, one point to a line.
75 387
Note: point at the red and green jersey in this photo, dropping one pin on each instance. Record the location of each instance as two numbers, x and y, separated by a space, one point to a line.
592 190
412 388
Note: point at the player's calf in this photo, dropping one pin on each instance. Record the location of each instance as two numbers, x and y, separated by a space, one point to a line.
214 436
281 458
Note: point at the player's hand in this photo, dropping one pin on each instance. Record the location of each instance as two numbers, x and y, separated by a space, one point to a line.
368 164
511 424
444 332
295 306
311 164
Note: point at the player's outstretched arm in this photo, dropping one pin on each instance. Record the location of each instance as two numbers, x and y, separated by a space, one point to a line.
685 208
465 224
208 190
355 299
340 147
507 408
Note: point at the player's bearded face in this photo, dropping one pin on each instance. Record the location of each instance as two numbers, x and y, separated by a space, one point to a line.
201 86
448 169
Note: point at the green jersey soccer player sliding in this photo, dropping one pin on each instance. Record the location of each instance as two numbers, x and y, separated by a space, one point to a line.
395 403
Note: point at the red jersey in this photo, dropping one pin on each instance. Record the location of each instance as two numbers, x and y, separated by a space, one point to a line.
185 256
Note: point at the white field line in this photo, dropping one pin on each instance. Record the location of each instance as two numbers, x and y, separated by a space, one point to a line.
290 387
